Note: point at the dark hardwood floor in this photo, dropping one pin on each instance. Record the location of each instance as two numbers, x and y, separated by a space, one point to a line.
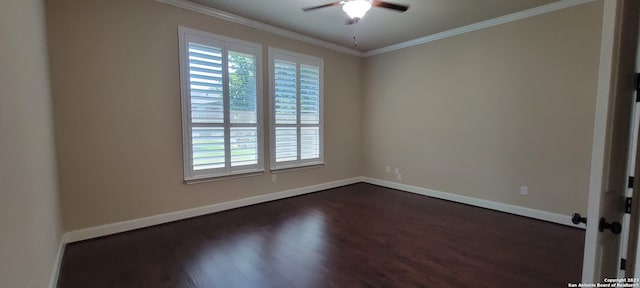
354 236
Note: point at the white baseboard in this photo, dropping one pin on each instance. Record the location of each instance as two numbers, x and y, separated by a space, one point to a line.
517 210
113 228
108 229
55 270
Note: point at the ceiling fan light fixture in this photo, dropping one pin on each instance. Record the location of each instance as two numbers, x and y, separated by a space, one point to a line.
356 8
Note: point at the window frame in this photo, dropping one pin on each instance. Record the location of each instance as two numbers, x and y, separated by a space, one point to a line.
298 59
225 44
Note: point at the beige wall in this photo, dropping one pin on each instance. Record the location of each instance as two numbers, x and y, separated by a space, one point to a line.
115 80
485 112
29 218
478 114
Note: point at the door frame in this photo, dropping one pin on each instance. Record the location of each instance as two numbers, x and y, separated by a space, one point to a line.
608 78
600 136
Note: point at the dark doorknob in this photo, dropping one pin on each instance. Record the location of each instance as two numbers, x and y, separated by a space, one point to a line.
615 227
577 219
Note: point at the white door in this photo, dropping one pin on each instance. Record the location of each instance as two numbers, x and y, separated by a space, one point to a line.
611 149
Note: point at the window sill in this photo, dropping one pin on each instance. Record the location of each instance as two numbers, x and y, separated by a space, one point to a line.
223 177
297 167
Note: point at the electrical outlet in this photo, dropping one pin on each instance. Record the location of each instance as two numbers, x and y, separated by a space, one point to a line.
274 177
397 170
524 190
388 169
399 177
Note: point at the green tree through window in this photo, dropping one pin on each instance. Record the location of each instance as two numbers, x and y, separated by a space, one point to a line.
242 83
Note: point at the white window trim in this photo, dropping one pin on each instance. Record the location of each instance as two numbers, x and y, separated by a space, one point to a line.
304 60
225 43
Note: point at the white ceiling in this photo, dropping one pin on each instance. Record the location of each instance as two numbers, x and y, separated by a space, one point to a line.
380 27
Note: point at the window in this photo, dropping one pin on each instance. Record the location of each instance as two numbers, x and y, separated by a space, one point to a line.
221 105
296 109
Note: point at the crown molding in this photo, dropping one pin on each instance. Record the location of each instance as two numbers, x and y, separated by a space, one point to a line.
199 8
551 7
555 6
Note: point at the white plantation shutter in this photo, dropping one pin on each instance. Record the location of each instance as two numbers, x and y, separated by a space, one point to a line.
309 142
244 114
207 106
285 88
244 146
208 148
309 112
220 80
309 95
296 109
205 82
286 145
286 103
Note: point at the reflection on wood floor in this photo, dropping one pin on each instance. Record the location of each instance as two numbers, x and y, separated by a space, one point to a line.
354 236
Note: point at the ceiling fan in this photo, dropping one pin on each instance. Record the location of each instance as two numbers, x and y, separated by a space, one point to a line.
357 8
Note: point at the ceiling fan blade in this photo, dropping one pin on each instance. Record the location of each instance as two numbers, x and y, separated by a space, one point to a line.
397 7
322 6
